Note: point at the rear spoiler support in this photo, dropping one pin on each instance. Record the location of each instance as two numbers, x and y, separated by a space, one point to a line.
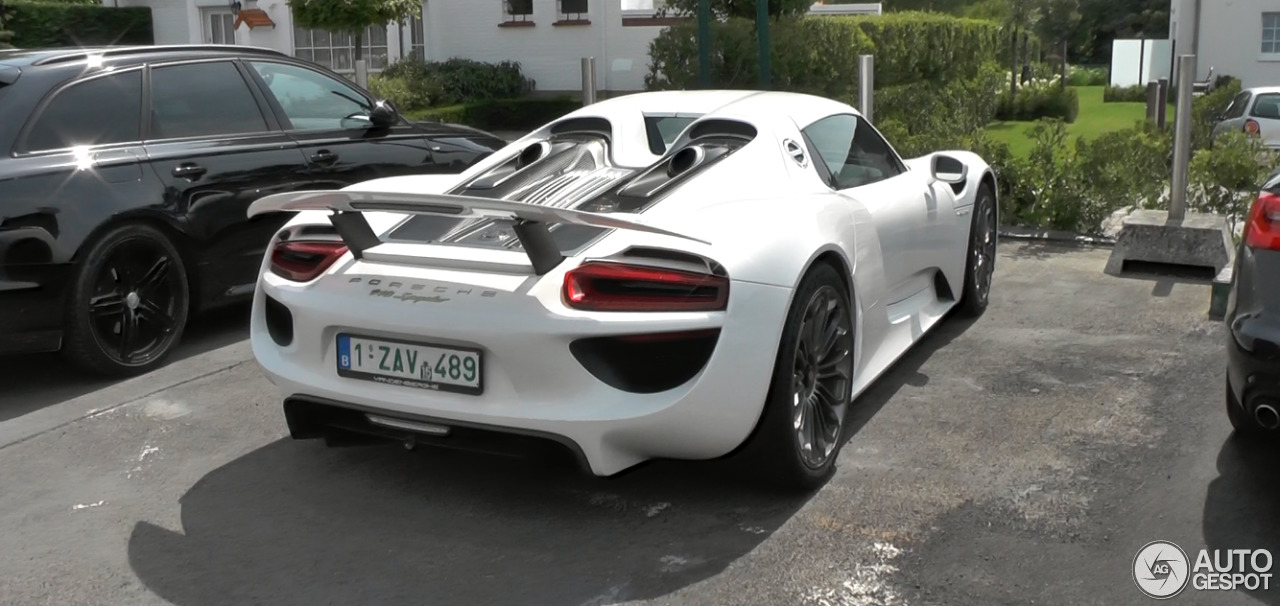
530 220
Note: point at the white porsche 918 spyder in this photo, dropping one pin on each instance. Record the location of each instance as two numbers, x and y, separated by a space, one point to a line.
681 274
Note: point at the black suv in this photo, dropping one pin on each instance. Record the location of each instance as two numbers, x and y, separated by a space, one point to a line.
126 174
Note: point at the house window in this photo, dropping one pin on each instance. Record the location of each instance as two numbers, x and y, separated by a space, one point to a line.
517 10
573 10
417 39
336 50
1270 33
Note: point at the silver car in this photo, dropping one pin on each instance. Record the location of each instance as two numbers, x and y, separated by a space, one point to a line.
1255 111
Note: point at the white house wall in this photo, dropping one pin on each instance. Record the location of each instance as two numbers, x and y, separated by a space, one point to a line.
550 54
1230 39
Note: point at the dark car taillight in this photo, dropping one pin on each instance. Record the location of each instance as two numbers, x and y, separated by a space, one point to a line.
607 286
1263 229
303 261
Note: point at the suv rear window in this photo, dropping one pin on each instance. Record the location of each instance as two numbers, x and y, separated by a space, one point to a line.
116 116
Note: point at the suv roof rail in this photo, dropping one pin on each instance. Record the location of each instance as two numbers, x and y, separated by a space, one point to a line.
113 51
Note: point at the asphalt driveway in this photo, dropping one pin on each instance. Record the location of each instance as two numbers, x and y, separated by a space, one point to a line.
1023 458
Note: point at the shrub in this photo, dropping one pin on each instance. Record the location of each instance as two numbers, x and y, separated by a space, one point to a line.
1038 100
1088 76
402 92
1205 110
458 81
924 117
42 24
812 55
1125 94
501 114
1224 180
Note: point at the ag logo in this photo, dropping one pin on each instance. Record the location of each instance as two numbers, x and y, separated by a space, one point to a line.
1161 569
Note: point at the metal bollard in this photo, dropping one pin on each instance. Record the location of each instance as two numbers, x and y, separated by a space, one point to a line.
588 80
867 87
1162 106
1182 138
1153 101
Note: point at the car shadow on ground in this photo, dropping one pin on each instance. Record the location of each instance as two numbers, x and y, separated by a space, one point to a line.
1241 504
297 523
35 381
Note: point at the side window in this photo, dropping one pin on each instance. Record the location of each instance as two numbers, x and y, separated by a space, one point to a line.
202 100
1238 106
853 152
872 152
116 115
311 100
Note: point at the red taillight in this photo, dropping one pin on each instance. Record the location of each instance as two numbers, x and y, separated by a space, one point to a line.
1252 127
602 286
1263 229
304 261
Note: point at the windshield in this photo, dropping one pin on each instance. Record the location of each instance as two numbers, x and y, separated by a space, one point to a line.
664 130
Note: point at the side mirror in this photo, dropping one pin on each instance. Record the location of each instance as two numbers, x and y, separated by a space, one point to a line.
384 114
949 170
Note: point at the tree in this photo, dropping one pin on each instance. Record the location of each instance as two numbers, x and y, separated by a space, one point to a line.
1021 17
6 37
1058 22
352 16
740 8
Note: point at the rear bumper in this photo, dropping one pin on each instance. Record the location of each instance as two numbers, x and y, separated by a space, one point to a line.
533 383
31 308
1253 329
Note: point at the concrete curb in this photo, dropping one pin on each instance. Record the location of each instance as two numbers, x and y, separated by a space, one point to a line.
50 418
1052 235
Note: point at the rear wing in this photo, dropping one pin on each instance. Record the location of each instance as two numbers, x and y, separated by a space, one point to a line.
530 220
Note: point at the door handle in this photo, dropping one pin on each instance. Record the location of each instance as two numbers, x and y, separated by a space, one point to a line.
324 156
188 170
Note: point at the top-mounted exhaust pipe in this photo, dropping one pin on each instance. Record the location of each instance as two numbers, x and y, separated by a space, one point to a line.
1266 416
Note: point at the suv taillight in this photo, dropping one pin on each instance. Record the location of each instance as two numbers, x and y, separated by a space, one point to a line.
303 261
1263 229
604 286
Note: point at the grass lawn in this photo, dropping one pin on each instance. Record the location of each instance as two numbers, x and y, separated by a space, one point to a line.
1096 118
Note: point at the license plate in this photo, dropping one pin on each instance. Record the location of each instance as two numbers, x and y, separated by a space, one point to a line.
420 365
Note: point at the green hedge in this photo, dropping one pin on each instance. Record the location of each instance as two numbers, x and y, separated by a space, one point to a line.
812 55
1039 101
500 114
1125 94
820 54
458 81
41 24
933 47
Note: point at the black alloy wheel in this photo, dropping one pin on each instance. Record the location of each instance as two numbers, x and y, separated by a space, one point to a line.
129 303
801 431
980 270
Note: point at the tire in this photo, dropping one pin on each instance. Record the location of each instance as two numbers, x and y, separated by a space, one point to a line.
980 267
1244 424
132 277
777 450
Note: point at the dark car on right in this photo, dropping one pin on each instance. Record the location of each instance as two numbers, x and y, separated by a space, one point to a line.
1253 321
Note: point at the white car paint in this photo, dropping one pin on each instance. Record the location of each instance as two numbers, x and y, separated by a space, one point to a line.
762 214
